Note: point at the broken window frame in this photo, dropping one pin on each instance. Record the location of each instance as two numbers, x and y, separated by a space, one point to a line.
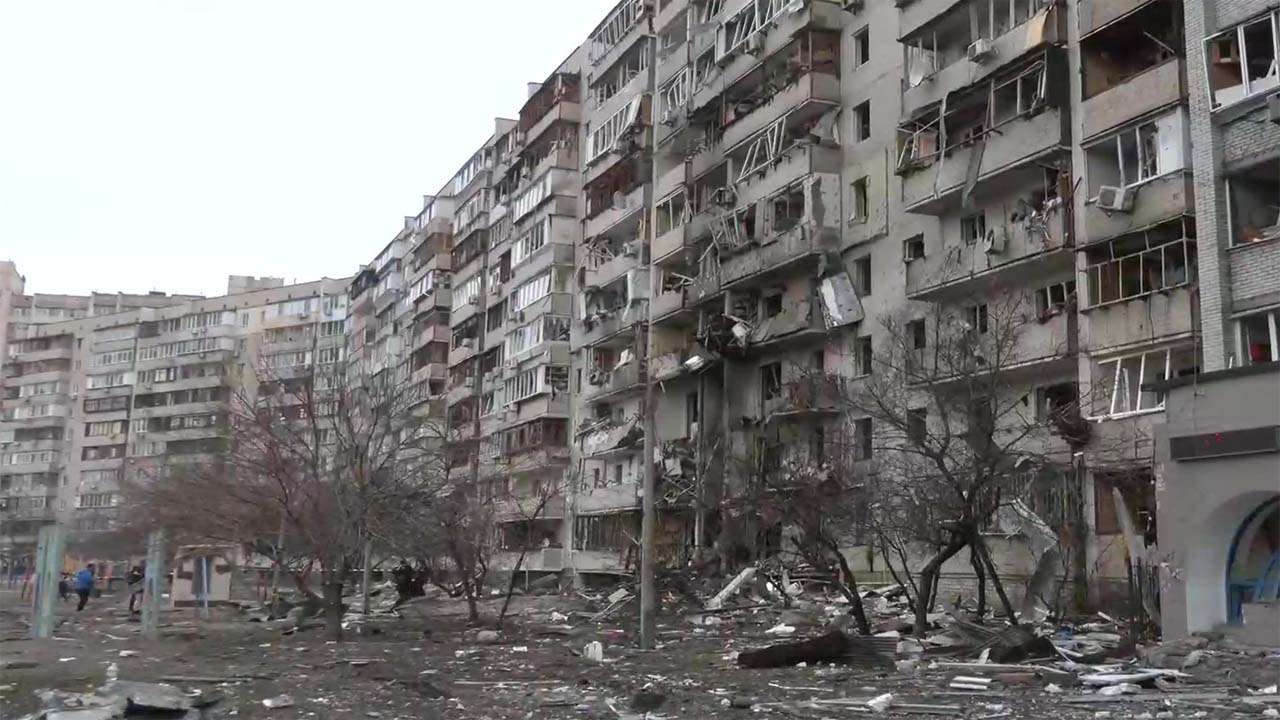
1271 325
531 291
918 55
862 47
1124 390
533 196
913 248
764 150
914 140
1098 275
1233 212
615 28
862 121
675 94
753 18
1026 100
860 201
862 276
1146 168
531 241
973 227
1236 36
863 356
604 139
1053 299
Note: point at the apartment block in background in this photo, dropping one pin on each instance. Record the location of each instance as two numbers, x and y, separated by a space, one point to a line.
88 400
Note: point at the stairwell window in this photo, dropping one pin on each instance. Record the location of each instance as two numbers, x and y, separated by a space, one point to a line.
861 47
861 203
862 122
913 248
973 228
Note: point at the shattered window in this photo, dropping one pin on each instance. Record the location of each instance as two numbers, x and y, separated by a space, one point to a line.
1244 60
771 381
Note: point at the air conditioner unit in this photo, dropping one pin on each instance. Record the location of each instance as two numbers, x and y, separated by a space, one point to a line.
1273 108
993 243
495 289
1115 199
474 301
467 343
631 248
981 49
755 43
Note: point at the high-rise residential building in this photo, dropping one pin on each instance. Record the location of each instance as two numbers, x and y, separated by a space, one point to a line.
721 202
100 393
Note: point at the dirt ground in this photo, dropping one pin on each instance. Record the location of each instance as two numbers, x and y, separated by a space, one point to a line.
429 664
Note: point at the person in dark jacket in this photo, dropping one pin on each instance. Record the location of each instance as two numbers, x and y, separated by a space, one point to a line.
134 581
64 587
83 585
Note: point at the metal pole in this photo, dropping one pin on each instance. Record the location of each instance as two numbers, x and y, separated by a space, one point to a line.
648 520
275 569
153 585
205 562
366 575
48 571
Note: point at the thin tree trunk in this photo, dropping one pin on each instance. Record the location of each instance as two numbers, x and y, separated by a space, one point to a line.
985 557
511 587
333 609
850 588
929 582
909 587
981 574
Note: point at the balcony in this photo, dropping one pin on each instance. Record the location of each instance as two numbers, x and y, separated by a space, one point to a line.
611 269
457 393
810 96
1094 14
546 459
1033 248
799 322
624 380
815 15
671 307
1010 45
610 328
463 352
669 181
1151 317
31 356
1159 199
632 205
936 188
1155 88
550 559
564 110
612 440
788 167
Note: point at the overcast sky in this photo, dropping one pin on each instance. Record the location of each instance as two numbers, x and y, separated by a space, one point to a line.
163 145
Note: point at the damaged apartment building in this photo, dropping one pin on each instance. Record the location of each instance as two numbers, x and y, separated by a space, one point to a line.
758 183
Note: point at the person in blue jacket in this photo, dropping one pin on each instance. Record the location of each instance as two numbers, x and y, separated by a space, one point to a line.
83 585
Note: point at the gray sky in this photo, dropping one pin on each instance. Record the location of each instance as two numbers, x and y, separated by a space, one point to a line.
165 144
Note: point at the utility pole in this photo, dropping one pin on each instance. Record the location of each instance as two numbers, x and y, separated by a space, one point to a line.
648 519
50 544
153 585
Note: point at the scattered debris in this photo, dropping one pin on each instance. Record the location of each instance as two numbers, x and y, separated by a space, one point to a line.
278 702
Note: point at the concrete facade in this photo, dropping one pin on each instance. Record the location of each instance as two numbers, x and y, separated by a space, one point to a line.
1218 492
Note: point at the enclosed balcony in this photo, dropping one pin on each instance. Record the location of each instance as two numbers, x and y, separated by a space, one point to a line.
967 42
802 79
1022 125
556 100
604 384
1006 237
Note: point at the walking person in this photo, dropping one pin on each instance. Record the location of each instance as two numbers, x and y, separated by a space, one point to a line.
134 582
64 587
83 585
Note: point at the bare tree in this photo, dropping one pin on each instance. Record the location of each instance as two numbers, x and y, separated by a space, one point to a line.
956 426
319 454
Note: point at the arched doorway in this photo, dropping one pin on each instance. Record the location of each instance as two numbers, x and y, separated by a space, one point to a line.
1253 562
